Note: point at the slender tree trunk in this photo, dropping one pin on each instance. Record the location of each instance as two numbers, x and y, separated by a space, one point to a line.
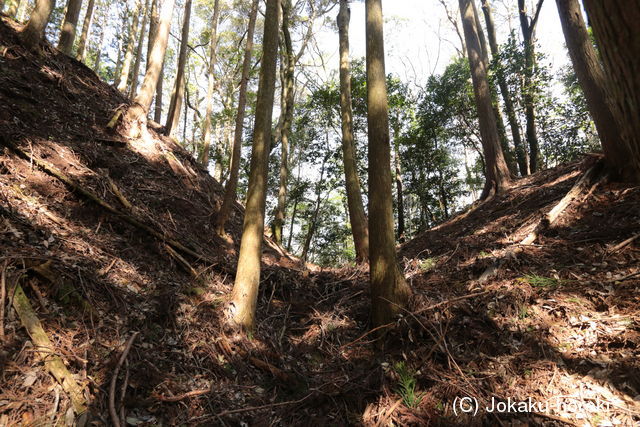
234 168
213 43
399 189
136 66
96 64
496 170
33 32
245 290
521 152
313 222
389 291
86 28
357 216
615 26
68 33
528 28
131 45
136 116
173 115
153 30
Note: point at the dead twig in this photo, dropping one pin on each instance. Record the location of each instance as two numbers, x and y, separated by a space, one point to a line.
449 301
623 243
365 334
183 396
3 291
114 379
262 407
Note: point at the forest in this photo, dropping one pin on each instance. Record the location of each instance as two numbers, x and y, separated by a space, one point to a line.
325 212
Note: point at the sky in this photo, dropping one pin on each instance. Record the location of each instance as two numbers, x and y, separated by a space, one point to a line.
420 41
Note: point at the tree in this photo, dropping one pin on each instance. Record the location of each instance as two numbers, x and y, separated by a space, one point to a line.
136 116
245 289
86 28
153 30
357 215
131 44
496 171
173 116
528 27
389 291
213 42
68 33
614 25
231 188
521 152
136 66
33 32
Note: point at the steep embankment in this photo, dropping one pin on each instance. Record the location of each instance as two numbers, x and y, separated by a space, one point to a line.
556 321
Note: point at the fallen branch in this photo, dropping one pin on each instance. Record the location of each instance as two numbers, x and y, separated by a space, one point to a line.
578 188
183 262
115 190
262 407
112 388
449 301
369 332
52 361
183 396
3 282
623 243
77 187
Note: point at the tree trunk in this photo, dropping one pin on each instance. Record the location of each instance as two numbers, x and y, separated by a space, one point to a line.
287 100
206 138
234 168
389 291
615 25
86 28
313 223
357 216
131 45
68 33
399 189
153 30
136 117
245 290
496 171
528 27
521 152
173 115
33 32
136 66
96 64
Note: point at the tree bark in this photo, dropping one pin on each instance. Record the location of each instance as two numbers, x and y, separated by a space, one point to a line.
614 25
153 30
496 170
131 44
96 64
234 168
389 291
287 100
173 115
528 27
86 28
33 32
136 66
245 290
206 138
313 223
399 190
136 117
357 216
521 152
68 33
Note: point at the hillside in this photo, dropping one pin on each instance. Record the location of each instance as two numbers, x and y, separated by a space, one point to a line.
126 246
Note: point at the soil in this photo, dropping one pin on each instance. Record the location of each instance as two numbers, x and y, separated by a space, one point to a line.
557 323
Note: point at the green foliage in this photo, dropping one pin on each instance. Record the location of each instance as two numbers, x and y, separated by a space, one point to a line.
541 281
407 385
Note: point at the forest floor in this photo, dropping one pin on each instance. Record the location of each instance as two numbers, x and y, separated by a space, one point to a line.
558 323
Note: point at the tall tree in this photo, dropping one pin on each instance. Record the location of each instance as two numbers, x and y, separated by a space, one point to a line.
245 290
528 26
86 28
614 24
153 29
213 42
231 188
68 33
522 157
496 171
131 45
136 116
389 291
173 115
590 74
357 216
33 32
136 66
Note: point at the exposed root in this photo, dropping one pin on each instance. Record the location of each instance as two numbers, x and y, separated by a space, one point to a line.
112 388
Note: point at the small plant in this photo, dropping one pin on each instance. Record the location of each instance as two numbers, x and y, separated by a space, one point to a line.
541 281
428 264
523 312
407 385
